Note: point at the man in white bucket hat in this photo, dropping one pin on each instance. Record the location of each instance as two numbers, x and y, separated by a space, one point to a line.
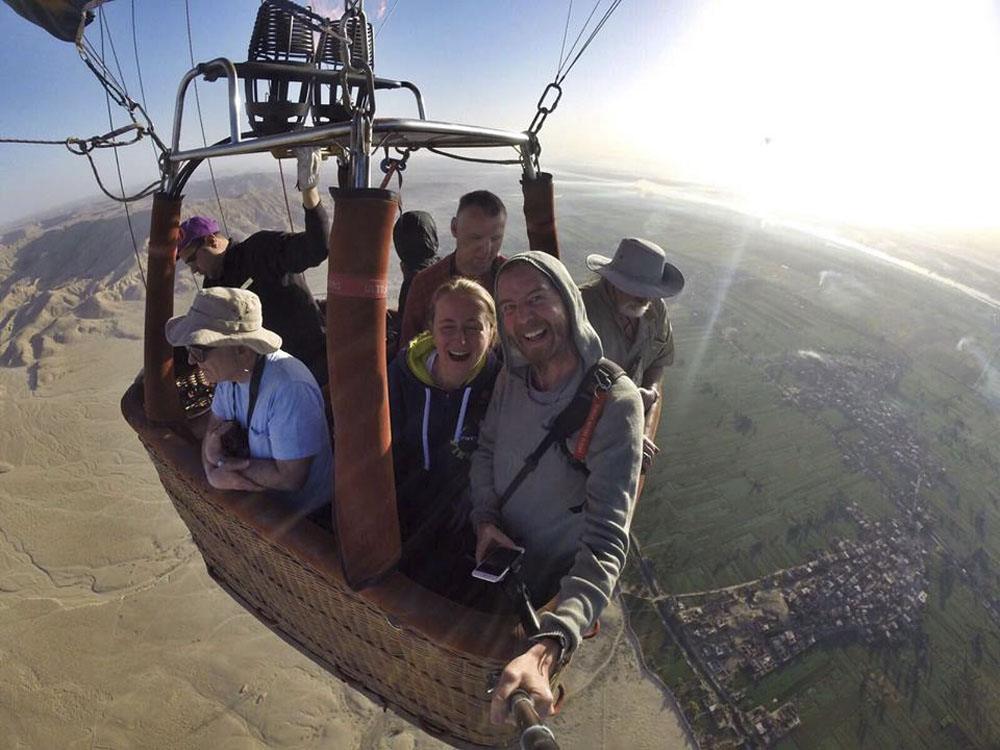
260 392
625 306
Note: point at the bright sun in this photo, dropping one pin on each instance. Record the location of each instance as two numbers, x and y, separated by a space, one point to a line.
879 111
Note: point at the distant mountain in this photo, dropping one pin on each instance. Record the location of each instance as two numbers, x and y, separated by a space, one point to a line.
68 275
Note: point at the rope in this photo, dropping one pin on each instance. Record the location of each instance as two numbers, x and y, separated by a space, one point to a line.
118 165
197 101
33 142
92 58
83 147
145 192
472 159
284 190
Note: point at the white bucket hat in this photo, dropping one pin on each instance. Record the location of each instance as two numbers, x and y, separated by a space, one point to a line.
639 268
223 317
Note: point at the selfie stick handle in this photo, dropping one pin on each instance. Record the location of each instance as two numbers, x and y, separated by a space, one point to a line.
534 734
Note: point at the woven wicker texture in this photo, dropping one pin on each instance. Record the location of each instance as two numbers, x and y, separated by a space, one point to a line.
440 689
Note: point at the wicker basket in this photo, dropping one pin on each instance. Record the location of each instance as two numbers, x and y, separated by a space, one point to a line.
429 659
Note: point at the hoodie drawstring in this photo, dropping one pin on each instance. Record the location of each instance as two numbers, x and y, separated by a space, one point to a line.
427 418
427 415
461 414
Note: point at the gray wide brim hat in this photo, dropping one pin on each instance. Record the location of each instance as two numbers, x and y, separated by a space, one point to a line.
223 317
639 268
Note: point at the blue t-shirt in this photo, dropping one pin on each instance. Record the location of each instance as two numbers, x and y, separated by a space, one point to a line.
289 422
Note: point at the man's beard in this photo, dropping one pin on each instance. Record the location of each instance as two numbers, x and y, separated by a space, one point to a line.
633 309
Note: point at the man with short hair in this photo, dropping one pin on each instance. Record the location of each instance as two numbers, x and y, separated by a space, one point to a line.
478 228
273 263
267 430
572 516
625 306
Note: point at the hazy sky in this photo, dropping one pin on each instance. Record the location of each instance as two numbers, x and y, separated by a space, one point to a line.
877 110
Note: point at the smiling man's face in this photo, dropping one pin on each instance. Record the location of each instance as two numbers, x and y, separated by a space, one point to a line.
533 314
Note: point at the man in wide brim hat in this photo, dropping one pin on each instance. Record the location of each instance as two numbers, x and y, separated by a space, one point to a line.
223 317
639 268
625 305
269 395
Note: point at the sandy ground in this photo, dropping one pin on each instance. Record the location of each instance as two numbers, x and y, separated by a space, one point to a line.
112 635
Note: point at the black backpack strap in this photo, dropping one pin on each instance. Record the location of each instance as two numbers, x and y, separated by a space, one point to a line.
601 376
258 373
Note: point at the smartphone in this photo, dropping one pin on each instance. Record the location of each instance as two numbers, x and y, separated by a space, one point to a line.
497 563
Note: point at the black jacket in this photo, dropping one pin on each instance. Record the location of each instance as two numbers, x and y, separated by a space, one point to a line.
275 261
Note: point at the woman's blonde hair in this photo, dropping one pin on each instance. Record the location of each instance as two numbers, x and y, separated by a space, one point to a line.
474 291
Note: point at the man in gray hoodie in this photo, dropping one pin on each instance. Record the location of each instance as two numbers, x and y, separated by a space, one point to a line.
572 520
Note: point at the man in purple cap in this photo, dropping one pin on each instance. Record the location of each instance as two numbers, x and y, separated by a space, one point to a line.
625 305
273 263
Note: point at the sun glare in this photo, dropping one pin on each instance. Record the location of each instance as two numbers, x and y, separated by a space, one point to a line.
882 112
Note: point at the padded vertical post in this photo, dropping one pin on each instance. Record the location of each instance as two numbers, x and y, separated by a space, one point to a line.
540 213
161 401
364 502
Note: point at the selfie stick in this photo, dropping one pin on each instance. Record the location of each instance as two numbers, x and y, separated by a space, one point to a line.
529 617
534 734
517 589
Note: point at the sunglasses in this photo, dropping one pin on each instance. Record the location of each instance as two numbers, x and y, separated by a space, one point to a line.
188 253
198 353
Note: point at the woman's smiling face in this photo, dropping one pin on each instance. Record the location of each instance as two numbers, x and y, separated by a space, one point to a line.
462 333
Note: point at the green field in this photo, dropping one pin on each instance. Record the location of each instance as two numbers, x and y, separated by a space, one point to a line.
750 482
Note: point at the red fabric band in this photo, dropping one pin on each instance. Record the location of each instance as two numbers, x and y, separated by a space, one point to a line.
350 285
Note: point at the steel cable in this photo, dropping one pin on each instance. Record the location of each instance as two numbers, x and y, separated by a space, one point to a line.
597 29
386 19
201 122
562 48
138 71
284 190
118 165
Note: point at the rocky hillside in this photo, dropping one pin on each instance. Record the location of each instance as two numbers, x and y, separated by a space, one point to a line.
75 275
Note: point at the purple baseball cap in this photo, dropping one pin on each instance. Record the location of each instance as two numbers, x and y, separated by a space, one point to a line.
196 228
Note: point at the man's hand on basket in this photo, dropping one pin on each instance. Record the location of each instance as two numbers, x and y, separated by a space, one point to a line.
227 475
528 672
649 451
214 451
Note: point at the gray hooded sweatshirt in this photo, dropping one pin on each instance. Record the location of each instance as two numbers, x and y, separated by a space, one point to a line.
573 525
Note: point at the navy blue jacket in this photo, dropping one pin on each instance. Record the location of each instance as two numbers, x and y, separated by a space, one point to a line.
433 431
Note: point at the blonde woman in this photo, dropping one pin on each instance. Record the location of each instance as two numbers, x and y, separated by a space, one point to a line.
439 387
